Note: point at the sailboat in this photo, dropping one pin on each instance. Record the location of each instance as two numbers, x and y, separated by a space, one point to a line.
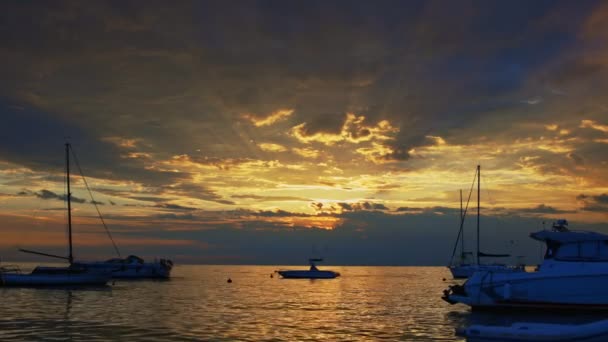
463 269
131 267
71 275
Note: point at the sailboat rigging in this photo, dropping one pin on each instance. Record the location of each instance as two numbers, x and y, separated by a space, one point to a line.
71 275
463 269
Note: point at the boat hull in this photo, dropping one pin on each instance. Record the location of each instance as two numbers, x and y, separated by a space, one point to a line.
535 290
309 274
55 280
466 271
131 271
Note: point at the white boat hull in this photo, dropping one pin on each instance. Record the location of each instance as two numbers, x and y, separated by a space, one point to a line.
131 271
466 271
561 290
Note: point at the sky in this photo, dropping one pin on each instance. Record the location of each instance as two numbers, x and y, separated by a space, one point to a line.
248 132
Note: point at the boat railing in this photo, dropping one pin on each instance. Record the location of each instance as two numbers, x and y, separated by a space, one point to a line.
10 269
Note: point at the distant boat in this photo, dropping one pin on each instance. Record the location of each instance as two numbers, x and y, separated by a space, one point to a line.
71 275
312 273
133 267
463 269
573 275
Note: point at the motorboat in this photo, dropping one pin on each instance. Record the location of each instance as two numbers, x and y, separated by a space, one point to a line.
132 267
312 273
71 275
573 275
523 331
463 268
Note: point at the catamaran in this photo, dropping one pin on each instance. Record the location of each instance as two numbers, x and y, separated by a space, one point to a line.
71 275
312 273
463 269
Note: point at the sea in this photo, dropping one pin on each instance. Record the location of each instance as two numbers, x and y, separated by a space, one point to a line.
199 304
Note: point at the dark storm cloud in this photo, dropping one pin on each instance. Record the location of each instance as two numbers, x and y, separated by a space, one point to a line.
598 203
387 60
47 194
543 209
340 207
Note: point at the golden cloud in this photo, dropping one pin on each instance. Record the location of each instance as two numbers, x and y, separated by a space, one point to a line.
353 131
306 152
269 147
270 119
594 125
122 142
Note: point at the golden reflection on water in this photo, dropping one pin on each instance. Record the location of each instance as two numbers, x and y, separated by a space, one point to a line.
365 303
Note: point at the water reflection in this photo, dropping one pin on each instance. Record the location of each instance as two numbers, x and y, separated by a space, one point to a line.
366 303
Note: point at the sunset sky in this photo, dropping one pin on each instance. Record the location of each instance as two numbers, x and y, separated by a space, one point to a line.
271 131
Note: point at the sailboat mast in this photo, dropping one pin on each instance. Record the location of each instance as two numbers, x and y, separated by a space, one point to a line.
69 195
462 244
478 207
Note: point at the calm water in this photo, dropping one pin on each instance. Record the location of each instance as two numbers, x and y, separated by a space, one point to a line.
366 303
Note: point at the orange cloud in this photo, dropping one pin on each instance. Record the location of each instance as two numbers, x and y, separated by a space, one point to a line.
594 125
268 120
353 131
122 142
306 152
269 147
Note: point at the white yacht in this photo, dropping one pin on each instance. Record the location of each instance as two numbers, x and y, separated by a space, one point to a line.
573 275
463 268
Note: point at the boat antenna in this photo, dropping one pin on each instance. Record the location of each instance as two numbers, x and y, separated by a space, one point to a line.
68 196
93 202
478 206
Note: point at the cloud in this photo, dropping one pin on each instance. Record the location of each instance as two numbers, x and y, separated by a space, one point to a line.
271 198
48 195
597 203
594 125
307 152
353 131
343 207
269 119
269 147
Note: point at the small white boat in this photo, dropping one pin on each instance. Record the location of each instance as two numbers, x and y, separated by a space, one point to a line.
537 332
573 275
312 273
132 267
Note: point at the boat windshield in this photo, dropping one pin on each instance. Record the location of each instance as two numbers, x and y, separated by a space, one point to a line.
578 251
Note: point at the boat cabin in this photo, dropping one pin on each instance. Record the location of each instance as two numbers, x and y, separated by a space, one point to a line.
573 245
